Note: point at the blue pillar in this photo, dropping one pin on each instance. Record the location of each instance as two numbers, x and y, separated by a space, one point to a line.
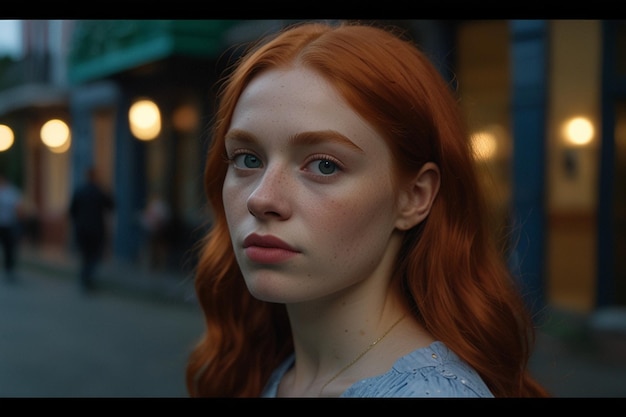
613 89
128 160
84 101
129 184
529 90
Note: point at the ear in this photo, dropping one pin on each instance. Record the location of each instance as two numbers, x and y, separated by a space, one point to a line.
417 196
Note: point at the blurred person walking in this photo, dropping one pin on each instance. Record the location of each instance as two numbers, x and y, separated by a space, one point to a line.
10 215
89 207
155 222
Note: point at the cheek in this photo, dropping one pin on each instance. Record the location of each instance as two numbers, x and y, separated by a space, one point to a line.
234 201
356 219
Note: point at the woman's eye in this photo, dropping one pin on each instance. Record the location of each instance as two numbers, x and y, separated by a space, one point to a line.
246 161
323 167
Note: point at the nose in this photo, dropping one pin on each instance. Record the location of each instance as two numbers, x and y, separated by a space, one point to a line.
270 198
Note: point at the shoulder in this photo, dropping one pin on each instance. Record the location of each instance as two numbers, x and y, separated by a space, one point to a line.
271 388
433 371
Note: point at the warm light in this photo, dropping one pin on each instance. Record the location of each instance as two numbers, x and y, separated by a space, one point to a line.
63 148
145 120
6 137
185 118
55 133
484 145
578 131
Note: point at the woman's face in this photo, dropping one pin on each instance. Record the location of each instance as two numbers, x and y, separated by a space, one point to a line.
309 195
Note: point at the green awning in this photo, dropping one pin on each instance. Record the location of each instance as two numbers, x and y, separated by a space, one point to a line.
103 48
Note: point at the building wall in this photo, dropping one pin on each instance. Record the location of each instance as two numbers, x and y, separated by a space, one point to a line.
572 171
518 81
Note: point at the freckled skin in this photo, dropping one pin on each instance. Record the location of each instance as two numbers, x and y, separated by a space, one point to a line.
343 225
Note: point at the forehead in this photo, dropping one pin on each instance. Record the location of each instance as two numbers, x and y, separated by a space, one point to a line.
293 100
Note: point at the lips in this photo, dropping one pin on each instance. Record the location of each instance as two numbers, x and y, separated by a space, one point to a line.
266 241
267 249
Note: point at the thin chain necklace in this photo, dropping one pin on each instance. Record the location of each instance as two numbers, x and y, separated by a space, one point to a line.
360 355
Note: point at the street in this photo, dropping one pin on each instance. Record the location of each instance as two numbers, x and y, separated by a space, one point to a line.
57 342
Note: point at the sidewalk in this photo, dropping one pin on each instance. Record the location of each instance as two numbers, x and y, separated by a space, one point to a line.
582 355
604 328
114 275
576 355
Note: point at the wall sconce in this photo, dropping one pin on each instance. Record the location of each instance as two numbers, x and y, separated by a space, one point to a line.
185 118
55 134
484 145
487 143
144 118
578 132
6 137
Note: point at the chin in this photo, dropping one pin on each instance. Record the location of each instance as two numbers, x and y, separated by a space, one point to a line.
274 290
272 296
267 288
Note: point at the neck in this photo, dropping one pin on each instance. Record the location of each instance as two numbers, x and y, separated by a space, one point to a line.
360 355
338 354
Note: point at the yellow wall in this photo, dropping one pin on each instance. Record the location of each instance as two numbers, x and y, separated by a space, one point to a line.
574 90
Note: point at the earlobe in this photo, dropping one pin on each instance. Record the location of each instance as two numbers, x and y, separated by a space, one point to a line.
416 199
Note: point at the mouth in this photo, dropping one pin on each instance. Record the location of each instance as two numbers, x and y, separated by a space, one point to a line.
267 249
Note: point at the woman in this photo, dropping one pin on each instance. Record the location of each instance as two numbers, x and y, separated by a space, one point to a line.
350 254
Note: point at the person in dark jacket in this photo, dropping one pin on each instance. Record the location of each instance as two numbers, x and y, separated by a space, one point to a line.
89 207
11 213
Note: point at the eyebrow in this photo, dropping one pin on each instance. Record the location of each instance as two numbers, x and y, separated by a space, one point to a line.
323 136
301 139
240 135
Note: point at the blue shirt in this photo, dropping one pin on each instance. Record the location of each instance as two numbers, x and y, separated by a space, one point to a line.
432 371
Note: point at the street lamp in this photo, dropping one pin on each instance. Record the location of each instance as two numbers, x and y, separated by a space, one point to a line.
55 134
144 119
6 137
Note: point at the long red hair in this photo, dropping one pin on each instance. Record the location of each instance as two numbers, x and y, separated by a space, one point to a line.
452 273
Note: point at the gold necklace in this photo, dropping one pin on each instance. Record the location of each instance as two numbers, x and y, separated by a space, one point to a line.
360 355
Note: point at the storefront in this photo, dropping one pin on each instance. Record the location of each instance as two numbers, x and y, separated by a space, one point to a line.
172 66
548 100
545 102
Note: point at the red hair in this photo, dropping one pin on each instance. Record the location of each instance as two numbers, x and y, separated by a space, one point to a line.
451 272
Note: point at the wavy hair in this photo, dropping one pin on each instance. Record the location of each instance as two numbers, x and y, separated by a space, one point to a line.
450 269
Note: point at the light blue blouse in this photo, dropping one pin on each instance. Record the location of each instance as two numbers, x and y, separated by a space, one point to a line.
432 371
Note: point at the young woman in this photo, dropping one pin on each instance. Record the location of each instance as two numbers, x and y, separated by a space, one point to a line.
349 253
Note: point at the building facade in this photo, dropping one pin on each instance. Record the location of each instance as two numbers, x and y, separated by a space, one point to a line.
557 192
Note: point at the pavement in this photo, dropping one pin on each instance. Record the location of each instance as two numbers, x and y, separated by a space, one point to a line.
130 277
56 341
582 355
576 355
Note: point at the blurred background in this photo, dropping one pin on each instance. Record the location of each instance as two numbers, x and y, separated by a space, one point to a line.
545 101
